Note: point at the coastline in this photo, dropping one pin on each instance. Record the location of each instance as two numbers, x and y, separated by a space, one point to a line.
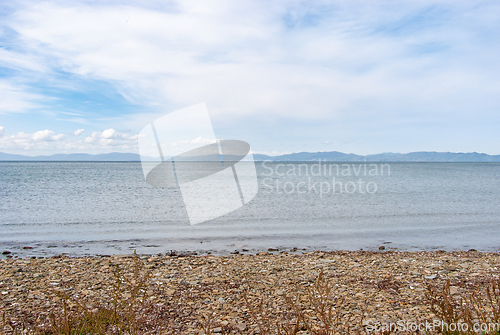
222 292
247 245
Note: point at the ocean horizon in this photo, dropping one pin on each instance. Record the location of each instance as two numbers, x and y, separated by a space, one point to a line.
80 208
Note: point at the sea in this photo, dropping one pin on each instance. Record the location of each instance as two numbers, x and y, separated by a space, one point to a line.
105 208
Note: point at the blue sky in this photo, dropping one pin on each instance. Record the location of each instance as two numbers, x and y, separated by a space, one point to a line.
285 76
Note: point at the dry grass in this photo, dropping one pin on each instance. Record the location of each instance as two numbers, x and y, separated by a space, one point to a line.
319 312
127 312
479 309
301 309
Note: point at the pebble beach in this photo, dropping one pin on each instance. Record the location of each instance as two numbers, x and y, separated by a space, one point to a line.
243 294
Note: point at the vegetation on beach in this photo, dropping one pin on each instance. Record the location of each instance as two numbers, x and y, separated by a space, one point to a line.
476 312
135 305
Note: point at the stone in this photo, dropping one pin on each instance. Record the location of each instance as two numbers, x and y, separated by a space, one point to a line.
386 286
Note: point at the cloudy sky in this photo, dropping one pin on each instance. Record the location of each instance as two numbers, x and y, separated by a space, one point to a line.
286 76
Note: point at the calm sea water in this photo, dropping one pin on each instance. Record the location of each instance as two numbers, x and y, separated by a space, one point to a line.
107 208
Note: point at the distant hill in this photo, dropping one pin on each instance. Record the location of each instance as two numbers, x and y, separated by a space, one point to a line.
424 156
332 156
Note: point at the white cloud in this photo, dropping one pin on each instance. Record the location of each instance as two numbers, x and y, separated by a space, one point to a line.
108 133
48 142
2 130
351 61
40 140
17 99
241 58
90 139
79 132
46 135
14 60
58 137
111 138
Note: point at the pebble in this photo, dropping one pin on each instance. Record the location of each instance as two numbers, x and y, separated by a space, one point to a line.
387 286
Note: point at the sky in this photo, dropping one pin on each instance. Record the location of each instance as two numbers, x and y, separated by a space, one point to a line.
360 77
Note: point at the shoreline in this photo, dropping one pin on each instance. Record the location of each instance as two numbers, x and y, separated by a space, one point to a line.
200 247
50 251
382 286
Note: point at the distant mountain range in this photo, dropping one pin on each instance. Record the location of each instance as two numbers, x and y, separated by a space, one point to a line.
424 156
332 156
